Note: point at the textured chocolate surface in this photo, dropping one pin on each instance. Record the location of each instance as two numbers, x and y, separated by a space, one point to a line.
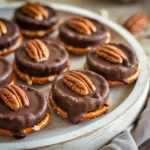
77 105
6 70
112 71
10 38
73 38
17 121
55 64
26 22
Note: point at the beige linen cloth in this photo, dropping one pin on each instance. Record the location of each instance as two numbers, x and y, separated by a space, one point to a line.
137 138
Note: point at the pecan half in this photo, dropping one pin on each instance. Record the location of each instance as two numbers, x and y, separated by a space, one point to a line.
37 50
82 25
111 53
14 97
79 83
35 11
136 22
3 28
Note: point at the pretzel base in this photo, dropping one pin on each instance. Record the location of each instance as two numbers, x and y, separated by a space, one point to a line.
78 50
91 115
13 81
129 80
36 80
43 123
12 48
40 33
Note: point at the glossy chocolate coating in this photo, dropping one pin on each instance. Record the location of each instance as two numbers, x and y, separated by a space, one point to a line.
29 23
77 105
17 121
112 71
6 71
75 39
55 64
10 38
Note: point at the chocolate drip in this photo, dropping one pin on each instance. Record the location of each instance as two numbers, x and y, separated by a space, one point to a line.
112 71
6 70
56 63
17 121
75 104
73 38
12 35
26 22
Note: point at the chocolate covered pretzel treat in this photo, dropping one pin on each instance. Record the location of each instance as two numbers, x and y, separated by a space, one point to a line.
79 95
36 20
10 37
79 34
23 111
39 62
6 73
115 62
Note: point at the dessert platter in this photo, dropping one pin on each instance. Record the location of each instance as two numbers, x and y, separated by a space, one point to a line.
75 77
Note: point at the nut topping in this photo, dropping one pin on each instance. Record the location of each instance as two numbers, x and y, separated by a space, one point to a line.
79 83
111 53
14 97
82 25
35 11
3 28
137 22
37 50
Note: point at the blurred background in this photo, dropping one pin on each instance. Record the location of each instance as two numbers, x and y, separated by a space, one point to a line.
118 10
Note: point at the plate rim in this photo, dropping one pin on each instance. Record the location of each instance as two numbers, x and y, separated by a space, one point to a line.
143 78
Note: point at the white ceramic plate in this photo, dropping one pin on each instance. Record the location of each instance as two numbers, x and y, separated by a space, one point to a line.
126 102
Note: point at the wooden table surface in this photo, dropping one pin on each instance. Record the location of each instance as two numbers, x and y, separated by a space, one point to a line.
118 12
